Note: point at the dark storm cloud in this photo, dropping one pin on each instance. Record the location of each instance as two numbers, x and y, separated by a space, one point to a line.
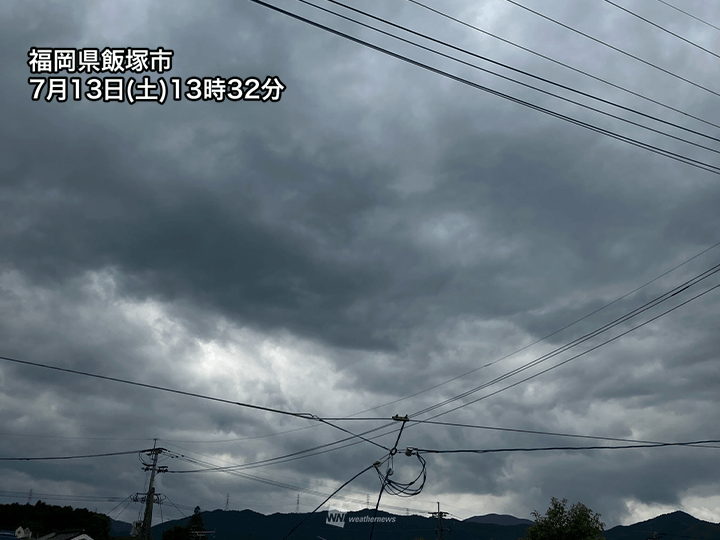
376 232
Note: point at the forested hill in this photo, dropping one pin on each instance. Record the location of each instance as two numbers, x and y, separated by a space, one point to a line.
43 519
246 524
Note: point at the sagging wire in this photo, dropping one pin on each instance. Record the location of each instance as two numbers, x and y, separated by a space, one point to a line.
183 514
405 489
366 469
394 488
118 506
123 510
391 486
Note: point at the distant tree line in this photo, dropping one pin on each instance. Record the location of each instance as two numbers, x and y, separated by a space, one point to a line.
44 519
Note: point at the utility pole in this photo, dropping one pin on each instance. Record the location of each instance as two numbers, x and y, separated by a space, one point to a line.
297 505
30 497
440 515
227 502
145 527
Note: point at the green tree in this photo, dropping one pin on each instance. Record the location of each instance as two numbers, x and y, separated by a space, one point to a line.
559 523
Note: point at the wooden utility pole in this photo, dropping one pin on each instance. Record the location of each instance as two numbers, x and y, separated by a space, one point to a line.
150 497
440 515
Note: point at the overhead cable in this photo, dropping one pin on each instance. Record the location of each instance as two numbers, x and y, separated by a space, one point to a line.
662 28
562 448
516 70
321 449
536 432
352 417
7 434
615 338
548 335
553 60
71 457
629 140
588 36
689 14
590 335
64 496
366 469
306 416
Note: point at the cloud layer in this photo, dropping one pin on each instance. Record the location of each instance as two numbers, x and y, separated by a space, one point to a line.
378 231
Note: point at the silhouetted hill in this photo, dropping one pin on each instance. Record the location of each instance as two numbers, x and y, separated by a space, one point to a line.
119 528
675 526
499 519
246 524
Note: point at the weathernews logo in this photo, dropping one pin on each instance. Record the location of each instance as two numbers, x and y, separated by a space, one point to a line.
335 517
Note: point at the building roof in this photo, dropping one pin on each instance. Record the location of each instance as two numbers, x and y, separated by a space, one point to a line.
73 535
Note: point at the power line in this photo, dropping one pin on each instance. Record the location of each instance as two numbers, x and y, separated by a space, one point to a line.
689 14
577 341
676 291
6 434
662 28
263 480
70 457
297 455
547 369
118 506
580 354
516 70
585 73
629 140
536 432
326 500
176 508
397 488
321 449
588 36
64 497
285 458
548 335
562 448
306 416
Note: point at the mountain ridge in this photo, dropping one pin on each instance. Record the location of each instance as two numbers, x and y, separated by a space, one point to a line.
248 524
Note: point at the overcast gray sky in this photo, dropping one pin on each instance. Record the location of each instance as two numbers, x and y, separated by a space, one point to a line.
378 230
